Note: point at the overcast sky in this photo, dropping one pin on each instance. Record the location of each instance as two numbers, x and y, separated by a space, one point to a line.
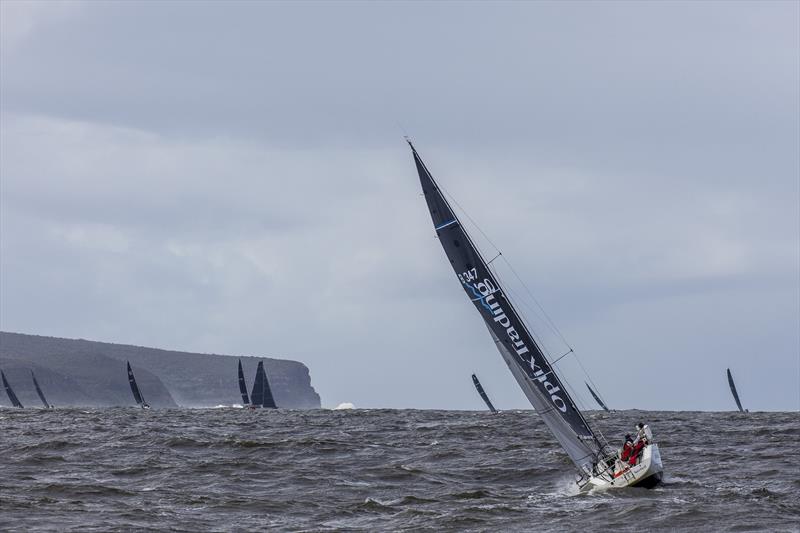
232 178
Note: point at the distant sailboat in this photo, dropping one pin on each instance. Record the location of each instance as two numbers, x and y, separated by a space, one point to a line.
482 392
735 394
596 397
598 464
11 396
39 392
243 386
261 396
137 394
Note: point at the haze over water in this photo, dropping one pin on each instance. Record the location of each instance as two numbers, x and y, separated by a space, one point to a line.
367 470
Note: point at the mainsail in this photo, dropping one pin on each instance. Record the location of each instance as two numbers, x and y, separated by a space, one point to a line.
11 396
137 394
482 392
521 353
596 397
39 391
733 391
262 394
243 385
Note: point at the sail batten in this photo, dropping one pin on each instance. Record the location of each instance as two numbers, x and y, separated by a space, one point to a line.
482 393
39 391
734 392
517 346
10 392
243 386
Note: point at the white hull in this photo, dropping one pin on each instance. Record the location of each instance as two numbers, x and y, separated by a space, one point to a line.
646 473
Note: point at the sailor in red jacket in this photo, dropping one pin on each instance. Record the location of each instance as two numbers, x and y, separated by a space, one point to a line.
639 443
627 449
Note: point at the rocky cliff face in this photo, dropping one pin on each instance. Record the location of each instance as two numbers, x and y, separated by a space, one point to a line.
81 372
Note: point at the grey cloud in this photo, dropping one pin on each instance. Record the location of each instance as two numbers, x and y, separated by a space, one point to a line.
232 178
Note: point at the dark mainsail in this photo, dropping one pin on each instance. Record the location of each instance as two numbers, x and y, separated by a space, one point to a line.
11 396
39 391
596 397
482 392
243 385
261 396
137 394
521 353
733 391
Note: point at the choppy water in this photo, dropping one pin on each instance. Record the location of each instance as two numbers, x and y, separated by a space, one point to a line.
234 469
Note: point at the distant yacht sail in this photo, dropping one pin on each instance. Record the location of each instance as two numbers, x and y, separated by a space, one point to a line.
598 463
39 392
596 397
11 396
137 394
243 385
261 396
482 392
733 391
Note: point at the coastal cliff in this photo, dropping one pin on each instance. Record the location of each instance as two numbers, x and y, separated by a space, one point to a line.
89 373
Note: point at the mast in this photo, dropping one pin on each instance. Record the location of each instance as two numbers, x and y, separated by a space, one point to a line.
482 392
39 391
733 391
262 393
11 396
137 394
596 397
525 359
243 385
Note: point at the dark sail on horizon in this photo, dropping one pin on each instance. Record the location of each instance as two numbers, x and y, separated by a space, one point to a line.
733 391
596 397
482 392
11 396
39 391
261 395
137 394
515 343
243 385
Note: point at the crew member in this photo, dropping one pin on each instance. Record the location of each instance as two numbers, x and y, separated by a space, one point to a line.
627 449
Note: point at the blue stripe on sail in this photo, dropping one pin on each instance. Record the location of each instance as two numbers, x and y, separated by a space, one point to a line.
479 296
446 224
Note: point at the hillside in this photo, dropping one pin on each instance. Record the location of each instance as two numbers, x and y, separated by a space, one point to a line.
82 372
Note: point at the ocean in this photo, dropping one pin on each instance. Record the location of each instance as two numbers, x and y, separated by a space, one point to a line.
234 469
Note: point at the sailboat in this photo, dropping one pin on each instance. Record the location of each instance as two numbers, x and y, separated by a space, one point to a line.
39 392
482 392
596 397
261 396
243 386
735 394
11 396
137 394
597 463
